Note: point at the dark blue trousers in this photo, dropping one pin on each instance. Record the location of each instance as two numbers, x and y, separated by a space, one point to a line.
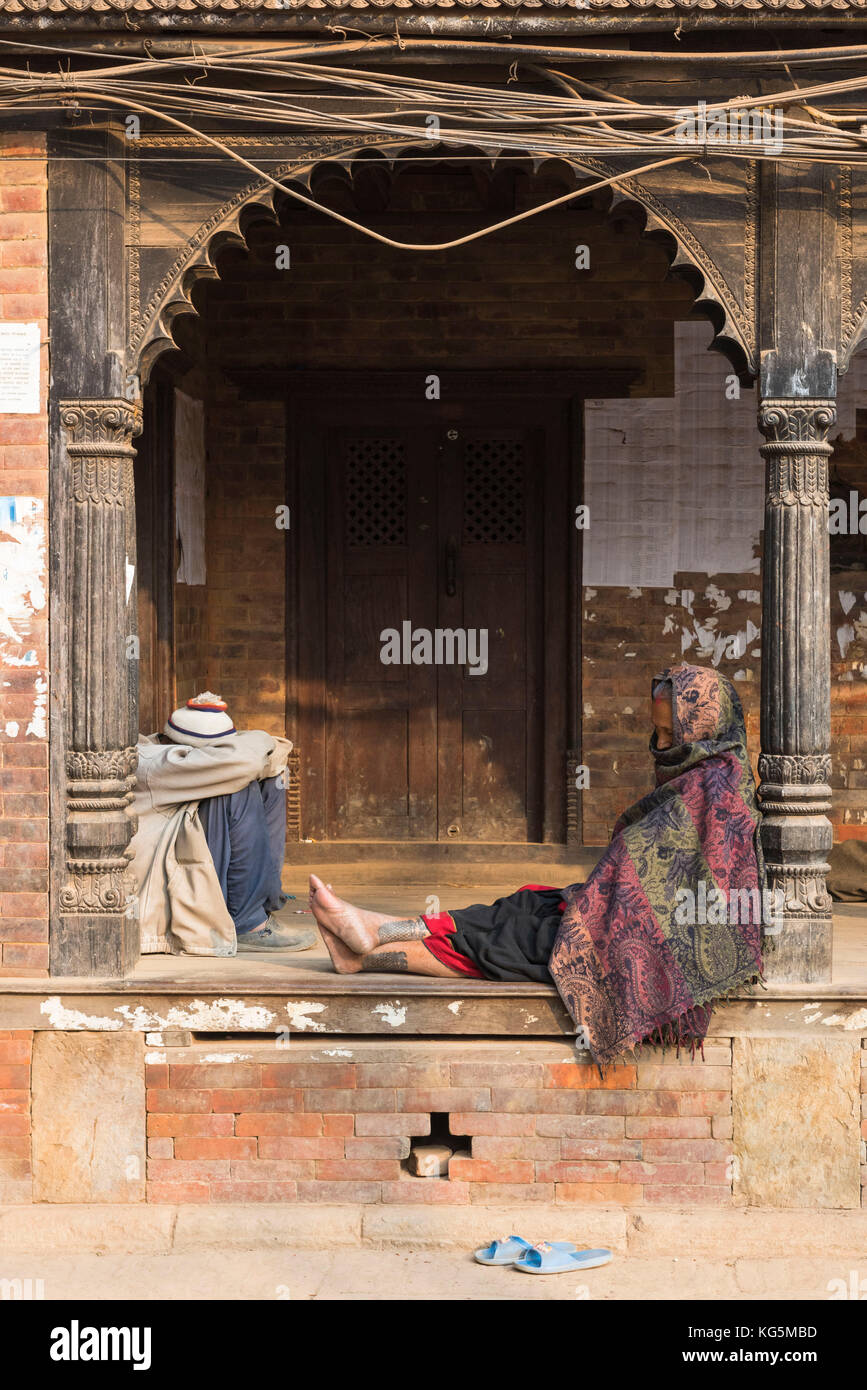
246 834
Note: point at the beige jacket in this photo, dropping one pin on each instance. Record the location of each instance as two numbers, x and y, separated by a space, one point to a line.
177 893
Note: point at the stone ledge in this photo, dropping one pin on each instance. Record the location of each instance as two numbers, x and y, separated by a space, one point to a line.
412 1008
750 1233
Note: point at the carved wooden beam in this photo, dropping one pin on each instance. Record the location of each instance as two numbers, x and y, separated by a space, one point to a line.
795 765
98 933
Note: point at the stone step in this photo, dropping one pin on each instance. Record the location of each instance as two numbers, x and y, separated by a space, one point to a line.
748 1233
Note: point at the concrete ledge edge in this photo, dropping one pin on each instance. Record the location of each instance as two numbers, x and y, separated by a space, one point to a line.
733 1233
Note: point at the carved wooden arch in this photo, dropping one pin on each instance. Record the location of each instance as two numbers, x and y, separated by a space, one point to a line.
733 323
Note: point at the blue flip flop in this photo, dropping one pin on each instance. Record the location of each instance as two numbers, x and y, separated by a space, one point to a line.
551 1258
510 1250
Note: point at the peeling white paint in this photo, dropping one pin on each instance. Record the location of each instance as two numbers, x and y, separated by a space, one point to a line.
749 595
811 1018
634 593
393 1014
155 1058
336 1052
854 1023
73 1020
203 1016
590 593
299 1016
845 637
669 625
714 646
847 600
718 598
11 729
456 1007
37 725
228 1057
22 596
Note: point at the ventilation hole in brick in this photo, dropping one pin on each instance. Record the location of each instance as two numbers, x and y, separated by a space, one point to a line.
429 1154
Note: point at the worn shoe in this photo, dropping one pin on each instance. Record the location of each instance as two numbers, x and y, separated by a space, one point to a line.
275 937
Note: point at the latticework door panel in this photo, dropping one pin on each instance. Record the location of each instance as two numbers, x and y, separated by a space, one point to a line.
376 499
494 498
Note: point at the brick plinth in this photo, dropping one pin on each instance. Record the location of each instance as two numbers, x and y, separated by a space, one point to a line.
313 1123
16 1048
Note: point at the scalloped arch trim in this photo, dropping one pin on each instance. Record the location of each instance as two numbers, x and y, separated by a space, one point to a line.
151 331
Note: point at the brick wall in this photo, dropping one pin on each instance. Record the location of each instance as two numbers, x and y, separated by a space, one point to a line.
313 1125
15 1174
24 655
191 640
514 300
246 625
333 1121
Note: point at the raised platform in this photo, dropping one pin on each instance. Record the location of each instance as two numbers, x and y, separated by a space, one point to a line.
264 993
265 1079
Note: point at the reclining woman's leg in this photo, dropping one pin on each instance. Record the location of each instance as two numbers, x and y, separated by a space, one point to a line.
359 940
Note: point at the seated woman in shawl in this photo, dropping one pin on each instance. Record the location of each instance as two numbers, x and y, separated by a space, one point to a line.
669 920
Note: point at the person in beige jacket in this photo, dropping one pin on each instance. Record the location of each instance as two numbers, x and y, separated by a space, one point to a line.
208 852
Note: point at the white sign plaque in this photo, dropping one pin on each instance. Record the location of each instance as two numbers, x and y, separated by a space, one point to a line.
19 368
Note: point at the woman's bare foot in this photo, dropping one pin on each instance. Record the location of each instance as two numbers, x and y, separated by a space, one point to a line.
345 961
355 926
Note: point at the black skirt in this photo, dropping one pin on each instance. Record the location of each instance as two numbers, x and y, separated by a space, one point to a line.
511 939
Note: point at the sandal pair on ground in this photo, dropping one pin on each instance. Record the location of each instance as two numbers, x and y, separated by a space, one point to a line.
546 1257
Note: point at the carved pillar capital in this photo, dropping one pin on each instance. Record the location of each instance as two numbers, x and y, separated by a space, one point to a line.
797 450
795 765
101 425
101 717
791 420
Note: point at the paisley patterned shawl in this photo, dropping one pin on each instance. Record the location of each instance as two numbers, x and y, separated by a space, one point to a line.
627 968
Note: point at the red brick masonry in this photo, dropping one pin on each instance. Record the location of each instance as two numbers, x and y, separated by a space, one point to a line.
334 1123
15 1174
23 686
249 1120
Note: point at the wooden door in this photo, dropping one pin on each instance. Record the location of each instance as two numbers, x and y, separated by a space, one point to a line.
424 518
380 555
488 725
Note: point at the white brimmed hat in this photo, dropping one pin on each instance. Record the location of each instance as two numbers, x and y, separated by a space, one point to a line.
202 720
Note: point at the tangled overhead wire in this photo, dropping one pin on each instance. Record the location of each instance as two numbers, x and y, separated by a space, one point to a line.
554 115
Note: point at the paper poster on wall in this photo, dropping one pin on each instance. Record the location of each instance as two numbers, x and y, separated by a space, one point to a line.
190 487
19 369
674 484
22 612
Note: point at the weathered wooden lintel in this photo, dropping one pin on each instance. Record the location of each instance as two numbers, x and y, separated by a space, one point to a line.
402 1013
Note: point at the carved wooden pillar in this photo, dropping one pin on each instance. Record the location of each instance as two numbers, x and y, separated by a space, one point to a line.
98 932
795 764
